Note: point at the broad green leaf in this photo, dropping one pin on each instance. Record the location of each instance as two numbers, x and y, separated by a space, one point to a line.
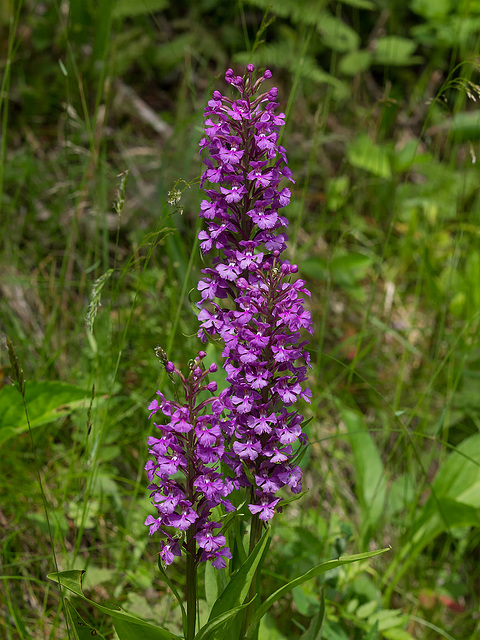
365 154
464 125
454 502
349 268
355 62
128 630
370 474
337 35
46 402
388 619
459 476
395 50
131 627
315 268
237 589
316 571
81 629
431 8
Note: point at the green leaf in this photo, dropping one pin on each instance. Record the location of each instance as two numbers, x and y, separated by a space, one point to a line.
395 51
373 633
316 571
431 8
388 619
237 589
454 502
464 125
370 475
355 62
293 498
212 625
211 584
81 629
349 268
314 631
365 154
129 627
459 476
46 402
336 34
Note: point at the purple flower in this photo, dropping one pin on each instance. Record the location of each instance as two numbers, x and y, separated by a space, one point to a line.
169 550
265 508
185 482
251 302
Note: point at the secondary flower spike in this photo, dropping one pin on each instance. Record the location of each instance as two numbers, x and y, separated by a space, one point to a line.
250 300
184 472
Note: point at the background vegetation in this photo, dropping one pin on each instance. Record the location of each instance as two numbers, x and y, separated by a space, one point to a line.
383 133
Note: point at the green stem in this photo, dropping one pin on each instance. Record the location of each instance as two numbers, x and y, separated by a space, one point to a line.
191 586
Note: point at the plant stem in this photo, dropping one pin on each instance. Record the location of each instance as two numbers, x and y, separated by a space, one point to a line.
255 535
191 587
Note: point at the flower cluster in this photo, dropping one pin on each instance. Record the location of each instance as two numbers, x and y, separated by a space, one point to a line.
249 299
184 473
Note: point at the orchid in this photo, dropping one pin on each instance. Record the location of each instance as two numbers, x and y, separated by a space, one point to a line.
184 470
250 301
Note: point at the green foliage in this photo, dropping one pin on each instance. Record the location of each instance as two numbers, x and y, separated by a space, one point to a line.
46 402
128 627
370 481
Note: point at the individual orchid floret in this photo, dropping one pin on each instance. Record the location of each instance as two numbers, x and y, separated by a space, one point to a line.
184 469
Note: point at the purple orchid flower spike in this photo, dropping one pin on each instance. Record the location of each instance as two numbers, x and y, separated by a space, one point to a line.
250 299
186 483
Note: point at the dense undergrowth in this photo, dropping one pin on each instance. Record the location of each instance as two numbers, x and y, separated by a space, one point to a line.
102 103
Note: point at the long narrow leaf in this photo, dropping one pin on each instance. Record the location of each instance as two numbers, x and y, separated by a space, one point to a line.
237 589
72 580
316 571
207 630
